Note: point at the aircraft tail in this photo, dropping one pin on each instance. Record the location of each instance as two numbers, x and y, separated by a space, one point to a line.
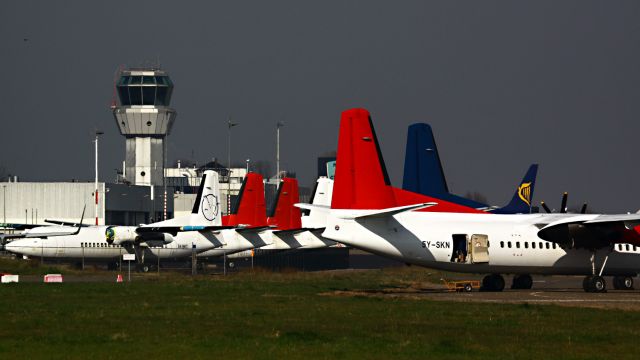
315 219
361 179
284 215
249 207
521 201
423 172
206 207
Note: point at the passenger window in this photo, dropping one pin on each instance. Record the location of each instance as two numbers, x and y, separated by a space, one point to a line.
533 245
634 248
509 244
627 246
540 243
526 245
501 244
518 244
547 245
554 245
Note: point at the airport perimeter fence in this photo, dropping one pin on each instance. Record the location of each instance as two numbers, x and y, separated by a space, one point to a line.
112 258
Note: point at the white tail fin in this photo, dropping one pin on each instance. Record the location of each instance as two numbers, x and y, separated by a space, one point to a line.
206 207
322 196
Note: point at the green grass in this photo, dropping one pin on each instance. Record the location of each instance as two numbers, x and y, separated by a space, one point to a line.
266 316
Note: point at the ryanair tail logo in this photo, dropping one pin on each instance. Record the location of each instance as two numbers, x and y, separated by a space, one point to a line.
524 192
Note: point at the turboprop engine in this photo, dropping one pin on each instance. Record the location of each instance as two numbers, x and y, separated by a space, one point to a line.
119 235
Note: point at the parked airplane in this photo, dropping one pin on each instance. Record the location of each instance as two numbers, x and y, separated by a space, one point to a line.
424 174
368 213
172 238
284 230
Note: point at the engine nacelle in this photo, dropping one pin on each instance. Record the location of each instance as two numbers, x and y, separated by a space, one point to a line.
156 237
118 235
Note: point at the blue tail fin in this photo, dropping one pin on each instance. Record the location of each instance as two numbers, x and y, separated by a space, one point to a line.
423 172
521 201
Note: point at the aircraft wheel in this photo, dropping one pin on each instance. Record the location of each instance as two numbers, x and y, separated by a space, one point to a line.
493 282
597 284
468 287
623 282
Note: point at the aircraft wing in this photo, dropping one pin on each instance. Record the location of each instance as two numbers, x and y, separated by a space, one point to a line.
255 229
289 231
42 235
176 229
592 231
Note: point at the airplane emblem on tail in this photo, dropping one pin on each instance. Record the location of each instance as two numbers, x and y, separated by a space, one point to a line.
524 192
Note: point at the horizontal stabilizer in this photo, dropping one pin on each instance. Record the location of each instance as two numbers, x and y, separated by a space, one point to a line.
322 208
385 212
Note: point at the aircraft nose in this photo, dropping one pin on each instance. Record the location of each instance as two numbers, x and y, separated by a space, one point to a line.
16 245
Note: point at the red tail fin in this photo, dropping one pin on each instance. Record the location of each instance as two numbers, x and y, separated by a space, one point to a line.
284 215
250 208
361 179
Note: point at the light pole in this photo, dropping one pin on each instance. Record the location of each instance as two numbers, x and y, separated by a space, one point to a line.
278 126
98 133
4 204
230 124
248 165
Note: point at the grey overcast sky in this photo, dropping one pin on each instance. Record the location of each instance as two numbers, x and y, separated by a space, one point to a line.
503 83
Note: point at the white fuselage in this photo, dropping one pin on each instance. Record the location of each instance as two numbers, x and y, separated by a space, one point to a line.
427 239
91 243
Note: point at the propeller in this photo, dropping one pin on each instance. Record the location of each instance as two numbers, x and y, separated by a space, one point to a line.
563 205
110 235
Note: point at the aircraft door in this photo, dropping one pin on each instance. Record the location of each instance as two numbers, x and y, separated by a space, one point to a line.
479 246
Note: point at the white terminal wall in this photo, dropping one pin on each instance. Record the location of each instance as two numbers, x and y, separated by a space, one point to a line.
62 201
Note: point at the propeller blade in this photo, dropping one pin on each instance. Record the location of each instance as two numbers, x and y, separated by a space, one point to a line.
545 207
584 209
563 208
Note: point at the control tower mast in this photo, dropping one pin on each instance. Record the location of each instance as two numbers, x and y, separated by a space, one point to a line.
145 119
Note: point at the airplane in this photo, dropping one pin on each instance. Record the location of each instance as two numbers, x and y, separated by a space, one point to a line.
284 230
173 238
424 174
368 213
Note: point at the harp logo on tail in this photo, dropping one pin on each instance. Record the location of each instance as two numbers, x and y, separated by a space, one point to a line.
524 192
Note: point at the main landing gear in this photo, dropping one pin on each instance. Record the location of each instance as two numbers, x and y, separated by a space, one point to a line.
623 282
595 282
493 282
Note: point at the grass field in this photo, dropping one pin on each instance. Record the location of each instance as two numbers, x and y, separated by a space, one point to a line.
265 315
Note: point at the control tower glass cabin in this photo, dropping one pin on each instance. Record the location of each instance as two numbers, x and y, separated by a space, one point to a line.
145 119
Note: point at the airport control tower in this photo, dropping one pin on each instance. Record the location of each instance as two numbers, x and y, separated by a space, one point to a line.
145 119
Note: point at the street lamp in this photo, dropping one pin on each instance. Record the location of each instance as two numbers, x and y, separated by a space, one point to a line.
4 204
98 133
230 124
248 160
278 126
